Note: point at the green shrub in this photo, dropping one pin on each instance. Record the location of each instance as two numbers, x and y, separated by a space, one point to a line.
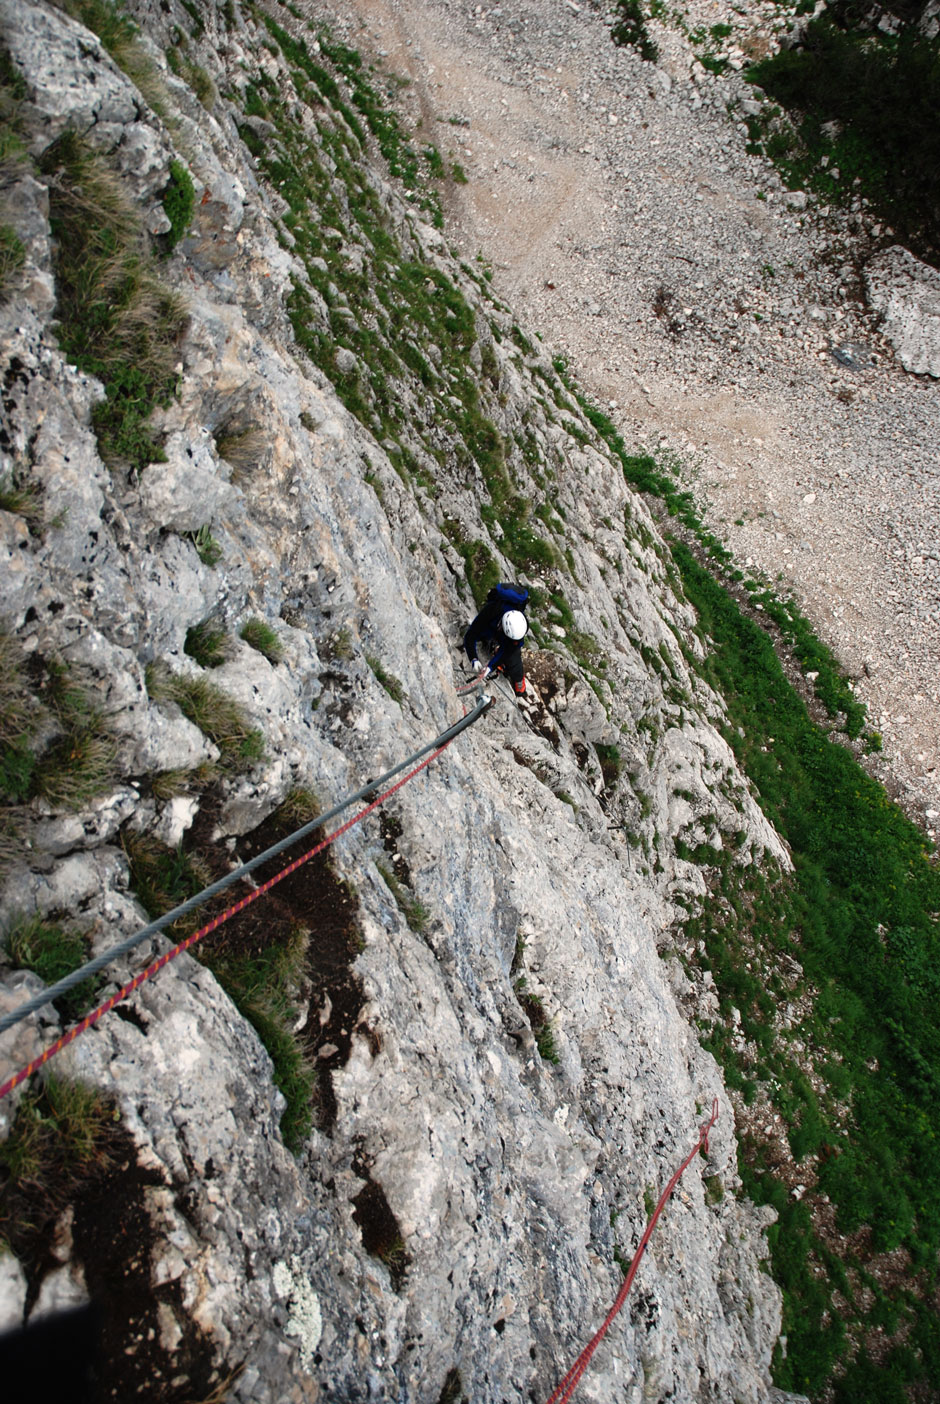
262 637
179 199
864 105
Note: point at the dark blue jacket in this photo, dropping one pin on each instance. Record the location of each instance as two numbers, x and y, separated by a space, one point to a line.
486 628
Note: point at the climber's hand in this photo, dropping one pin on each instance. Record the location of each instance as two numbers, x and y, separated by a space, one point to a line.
477 666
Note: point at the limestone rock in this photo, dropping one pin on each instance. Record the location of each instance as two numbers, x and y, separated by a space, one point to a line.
907 294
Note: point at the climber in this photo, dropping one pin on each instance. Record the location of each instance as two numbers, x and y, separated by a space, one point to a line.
501 624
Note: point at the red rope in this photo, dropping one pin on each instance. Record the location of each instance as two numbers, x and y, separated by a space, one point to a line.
570 1382
213 925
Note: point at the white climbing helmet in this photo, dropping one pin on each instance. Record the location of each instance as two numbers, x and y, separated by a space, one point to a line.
513 624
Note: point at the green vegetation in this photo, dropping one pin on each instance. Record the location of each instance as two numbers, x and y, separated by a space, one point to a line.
629 28
405 320
207 548
119 35
12 258
116 320
262 637
647 476
218 716
78 762
179 199
860 917
20 716
414 911
851 940
52 952
207 643
59 1137
863 108
25 499
539 1022
262 981
391 684
611 763
243 449
264 986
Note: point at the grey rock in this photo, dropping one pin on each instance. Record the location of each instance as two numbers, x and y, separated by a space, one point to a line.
906 293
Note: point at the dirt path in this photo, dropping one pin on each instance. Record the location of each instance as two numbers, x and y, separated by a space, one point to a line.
701 305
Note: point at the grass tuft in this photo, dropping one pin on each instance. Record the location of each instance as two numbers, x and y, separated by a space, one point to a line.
217 715
208 549
260 636
116 319
52 952
12 258
391 684
59 1137
207 643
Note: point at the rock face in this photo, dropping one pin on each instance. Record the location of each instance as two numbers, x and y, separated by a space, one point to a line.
907 294
356 519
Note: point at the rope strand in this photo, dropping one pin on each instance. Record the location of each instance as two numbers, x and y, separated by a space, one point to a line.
568 1385
91 1019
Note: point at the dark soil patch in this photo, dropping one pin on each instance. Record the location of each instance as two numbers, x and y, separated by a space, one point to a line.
113 1241
381 1235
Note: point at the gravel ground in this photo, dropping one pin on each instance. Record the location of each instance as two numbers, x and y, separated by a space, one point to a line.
710 310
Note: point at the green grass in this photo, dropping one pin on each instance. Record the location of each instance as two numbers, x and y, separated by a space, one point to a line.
78 764
391 684
25 500
260 636
116 319
60 1136
207 643
208 549
179 199
264 987
20 717
414 911
52 952
882 93
217 715
12 258
860 916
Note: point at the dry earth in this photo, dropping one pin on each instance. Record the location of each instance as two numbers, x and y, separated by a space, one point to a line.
717 316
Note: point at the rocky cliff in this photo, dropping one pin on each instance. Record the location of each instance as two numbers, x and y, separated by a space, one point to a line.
347 440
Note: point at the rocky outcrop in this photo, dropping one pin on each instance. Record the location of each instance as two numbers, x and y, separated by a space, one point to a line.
906 293
453 1225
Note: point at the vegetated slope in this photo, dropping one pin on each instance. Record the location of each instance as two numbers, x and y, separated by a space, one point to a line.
225 617
861 87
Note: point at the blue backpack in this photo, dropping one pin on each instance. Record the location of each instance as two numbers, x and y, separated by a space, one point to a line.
512 596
